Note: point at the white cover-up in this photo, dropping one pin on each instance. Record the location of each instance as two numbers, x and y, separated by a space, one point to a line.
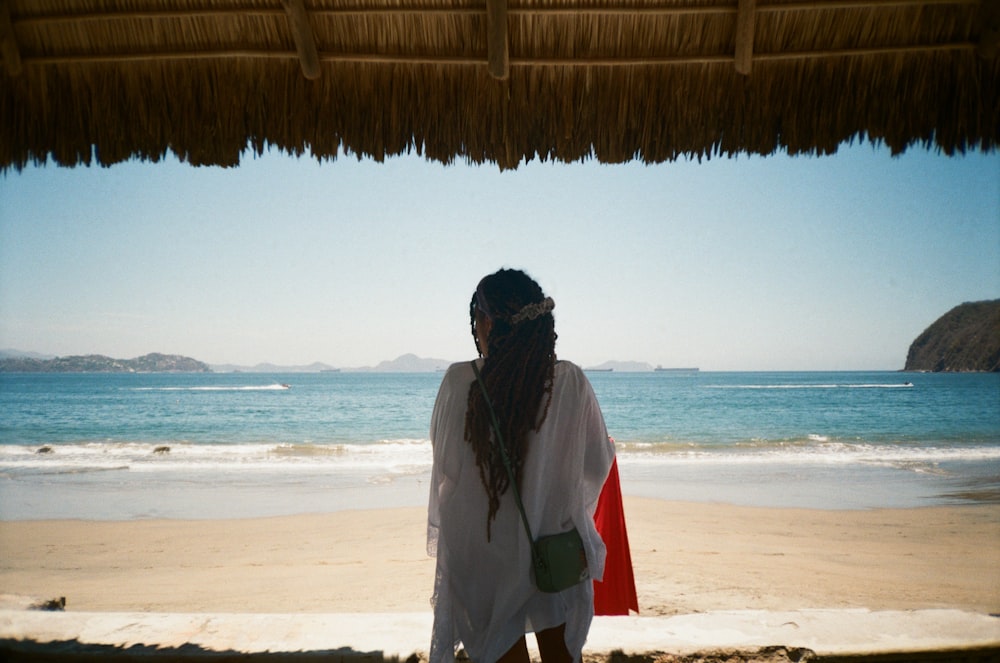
484 596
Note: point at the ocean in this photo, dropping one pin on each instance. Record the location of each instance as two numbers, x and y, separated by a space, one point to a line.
223 445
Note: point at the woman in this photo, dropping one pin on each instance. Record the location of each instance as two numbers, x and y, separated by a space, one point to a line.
558 447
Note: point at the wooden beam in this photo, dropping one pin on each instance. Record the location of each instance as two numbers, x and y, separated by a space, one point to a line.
575 9
8 43
305 42
744 36
989 38
497 53
462 61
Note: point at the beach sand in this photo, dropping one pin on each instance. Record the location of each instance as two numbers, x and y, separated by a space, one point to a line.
688 558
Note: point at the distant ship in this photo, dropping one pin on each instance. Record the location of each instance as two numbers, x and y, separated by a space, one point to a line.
598 370
676 370
329 370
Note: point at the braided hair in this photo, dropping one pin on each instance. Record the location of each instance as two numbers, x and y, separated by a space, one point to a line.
518 371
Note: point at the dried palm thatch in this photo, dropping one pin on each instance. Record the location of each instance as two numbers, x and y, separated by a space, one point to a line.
502 81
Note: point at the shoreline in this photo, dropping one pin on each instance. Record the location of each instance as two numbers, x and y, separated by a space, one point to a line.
141 494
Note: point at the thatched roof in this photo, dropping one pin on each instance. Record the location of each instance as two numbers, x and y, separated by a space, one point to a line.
101 81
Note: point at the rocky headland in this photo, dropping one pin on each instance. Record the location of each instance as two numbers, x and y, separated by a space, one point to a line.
965 339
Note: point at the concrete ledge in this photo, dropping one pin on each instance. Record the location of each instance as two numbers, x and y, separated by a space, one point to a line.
800 635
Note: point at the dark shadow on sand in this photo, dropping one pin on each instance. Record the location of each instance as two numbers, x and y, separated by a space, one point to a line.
73 651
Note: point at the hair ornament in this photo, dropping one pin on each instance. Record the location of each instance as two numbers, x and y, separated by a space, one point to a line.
532 311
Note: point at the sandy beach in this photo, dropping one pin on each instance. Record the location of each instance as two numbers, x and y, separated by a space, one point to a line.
716 582
689 558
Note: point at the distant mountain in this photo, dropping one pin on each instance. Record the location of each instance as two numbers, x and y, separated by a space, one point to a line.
621 367
315 367
409 363
966 338
13 361
9 353
151 363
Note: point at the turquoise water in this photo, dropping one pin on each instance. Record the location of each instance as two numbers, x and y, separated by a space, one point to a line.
262 444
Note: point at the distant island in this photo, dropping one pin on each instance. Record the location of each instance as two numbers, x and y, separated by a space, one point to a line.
965 339
17 361
408 363
151 363
14 361
315 367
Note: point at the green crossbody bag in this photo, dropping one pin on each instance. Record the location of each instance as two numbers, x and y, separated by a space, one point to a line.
558 561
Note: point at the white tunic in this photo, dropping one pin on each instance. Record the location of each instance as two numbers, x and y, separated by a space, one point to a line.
484 596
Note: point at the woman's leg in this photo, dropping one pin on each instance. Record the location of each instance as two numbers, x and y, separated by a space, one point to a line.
516 654
552 645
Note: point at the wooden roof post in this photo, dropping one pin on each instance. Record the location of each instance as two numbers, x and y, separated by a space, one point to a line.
498 57
8 44
305 42
744 35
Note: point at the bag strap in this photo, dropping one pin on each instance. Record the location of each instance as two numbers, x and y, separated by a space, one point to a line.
503 455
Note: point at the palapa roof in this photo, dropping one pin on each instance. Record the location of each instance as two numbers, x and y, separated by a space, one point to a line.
502 81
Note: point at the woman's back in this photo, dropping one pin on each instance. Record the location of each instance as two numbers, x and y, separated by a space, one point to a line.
555 449
491 597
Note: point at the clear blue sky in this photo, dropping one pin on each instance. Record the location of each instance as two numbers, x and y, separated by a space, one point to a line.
775 263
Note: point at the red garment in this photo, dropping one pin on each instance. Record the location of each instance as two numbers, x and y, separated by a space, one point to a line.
616 594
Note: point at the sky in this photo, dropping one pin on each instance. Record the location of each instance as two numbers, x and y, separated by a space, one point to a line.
751 263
